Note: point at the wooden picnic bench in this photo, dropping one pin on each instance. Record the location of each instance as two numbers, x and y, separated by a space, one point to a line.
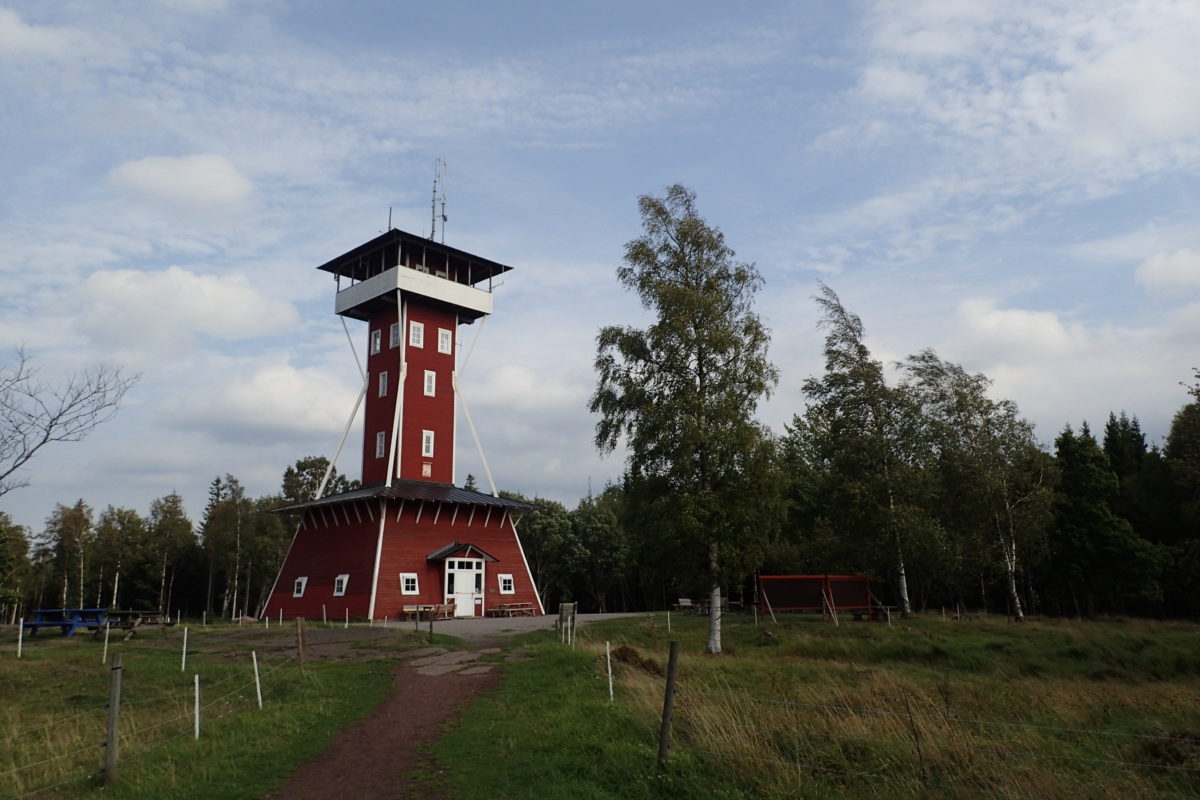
424 610
513 610
66 619
685 605
131 621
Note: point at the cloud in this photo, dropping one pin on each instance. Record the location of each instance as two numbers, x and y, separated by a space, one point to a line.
265 404
197 184
1017 333
20 40
1170 271
162 311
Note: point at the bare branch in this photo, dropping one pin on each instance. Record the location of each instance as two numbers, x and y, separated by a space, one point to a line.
34 413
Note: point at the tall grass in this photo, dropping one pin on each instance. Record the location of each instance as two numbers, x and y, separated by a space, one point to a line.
978 708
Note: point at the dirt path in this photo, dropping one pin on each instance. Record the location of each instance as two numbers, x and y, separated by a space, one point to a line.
369 759
373 758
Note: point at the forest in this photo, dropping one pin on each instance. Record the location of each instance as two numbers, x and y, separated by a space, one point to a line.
925 482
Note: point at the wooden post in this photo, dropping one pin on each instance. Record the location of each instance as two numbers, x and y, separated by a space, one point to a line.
183 658
324 619
257 681
432 614
20 635
664 731
417 620
668 620
114 716
347 626
104 658
300 637
281 615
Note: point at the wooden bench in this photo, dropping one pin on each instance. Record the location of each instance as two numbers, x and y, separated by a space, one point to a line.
513 610
423 610
685 605
131 621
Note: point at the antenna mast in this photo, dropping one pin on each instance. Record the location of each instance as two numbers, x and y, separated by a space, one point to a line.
439 198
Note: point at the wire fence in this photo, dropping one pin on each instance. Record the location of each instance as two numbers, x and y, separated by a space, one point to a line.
139 736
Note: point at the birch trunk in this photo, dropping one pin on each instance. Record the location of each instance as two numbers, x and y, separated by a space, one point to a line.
714 602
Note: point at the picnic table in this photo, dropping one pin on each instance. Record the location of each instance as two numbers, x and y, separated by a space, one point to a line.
513 610
424 610
131 621
67 619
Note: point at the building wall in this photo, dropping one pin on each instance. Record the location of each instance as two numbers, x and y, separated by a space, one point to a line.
340 541
407 541
421 412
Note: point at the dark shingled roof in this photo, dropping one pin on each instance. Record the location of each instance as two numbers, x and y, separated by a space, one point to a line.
406 489
446 551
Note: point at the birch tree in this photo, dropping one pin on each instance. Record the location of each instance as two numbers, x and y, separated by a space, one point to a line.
681 393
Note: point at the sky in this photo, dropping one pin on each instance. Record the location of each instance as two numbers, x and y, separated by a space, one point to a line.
1013 184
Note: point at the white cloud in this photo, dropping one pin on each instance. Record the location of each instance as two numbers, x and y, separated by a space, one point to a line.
20 40
1170 271
162 311
204 183
1017 334
519 387
265 404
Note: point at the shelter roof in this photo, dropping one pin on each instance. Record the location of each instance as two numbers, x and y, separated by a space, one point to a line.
454 548
347 264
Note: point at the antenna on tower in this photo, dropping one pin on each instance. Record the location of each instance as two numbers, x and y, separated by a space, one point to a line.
439 199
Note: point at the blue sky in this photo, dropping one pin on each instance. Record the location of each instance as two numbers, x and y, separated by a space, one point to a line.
1014 184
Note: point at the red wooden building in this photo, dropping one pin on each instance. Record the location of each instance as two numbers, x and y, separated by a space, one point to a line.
409 536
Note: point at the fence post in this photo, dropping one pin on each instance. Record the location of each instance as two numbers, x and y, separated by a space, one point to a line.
300 637
104 658
664 732
183 658
347 626
20 635
608 658
432 614
324 618
196 724
114 715
257 681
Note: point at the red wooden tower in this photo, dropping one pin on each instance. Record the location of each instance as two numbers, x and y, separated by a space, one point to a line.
409 536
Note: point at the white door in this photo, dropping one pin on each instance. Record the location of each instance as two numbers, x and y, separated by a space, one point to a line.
464 585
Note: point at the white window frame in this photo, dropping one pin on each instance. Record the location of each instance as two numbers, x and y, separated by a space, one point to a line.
445 341
416 582
416 334
430 383
299 586
339 584
426 444
383 383
380 444
376 341
504 578
394 335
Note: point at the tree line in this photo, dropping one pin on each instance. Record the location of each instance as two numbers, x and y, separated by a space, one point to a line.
223 565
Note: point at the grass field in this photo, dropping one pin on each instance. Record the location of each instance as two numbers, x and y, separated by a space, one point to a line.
794 708
53 718
927 708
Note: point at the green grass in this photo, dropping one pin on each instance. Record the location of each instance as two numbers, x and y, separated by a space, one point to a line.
55 711
926 708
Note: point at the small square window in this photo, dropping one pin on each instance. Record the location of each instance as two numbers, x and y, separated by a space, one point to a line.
430 383
339 585
416 334
394 335
427 444
506 584
445 341
383 384
408 583
298 587
376 337
380 444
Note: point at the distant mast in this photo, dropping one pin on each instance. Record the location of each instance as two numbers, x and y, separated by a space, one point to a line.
438 199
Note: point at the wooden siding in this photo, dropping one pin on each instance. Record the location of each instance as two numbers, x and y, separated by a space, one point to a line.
327 546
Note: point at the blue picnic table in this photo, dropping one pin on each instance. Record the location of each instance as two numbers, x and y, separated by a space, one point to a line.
67 619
